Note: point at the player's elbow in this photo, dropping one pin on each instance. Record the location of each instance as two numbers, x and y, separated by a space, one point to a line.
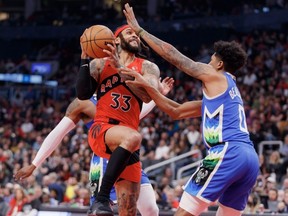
175 114
84 95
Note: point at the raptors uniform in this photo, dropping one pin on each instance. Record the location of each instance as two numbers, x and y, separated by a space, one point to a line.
231 166
98 167
117 105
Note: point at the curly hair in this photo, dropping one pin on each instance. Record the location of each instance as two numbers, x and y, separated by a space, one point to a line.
231 53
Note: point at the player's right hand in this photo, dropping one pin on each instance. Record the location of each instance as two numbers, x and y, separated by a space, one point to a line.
130 17
24 172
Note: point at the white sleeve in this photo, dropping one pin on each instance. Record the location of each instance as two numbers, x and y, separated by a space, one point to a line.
147 107
53 140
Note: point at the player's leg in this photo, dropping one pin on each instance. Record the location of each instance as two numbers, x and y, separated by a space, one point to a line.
146 203
96 172
234 199
120 142
190 205
224 210
219 177
127 195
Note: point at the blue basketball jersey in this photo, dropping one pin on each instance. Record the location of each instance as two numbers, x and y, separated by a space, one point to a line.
230 169
224 117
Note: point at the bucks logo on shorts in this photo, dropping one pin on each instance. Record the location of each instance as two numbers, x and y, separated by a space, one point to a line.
207 166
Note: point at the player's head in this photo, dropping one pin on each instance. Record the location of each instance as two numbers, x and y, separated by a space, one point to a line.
127 39
228 56
143 51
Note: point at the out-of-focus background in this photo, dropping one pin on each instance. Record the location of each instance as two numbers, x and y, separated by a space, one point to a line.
39 60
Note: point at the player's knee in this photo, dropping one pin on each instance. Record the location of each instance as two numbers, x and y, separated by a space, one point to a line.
133 141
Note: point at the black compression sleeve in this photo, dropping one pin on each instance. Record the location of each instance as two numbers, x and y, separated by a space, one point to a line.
86 84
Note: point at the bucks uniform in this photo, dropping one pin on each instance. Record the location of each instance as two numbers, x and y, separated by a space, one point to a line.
230 169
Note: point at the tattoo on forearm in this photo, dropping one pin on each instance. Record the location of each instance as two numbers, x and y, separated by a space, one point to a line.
95 68
172 55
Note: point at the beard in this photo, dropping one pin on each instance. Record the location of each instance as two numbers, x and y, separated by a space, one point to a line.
127 47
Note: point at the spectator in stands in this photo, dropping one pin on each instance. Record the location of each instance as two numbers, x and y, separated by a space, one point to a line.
274 165
272 201
285 184
162 150
285 201
82 197
172 199
193 135
17 202
3 205
252 204
50 182
27 126
250 78
256 134
71 188
284 148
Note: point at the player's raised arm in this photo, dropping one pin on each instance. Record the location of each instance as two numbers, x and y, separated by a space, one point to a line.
168 52
74 112
172 108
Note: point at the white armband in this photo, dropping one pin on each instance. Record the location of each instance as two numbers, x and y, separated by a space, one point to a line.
147 107
53 140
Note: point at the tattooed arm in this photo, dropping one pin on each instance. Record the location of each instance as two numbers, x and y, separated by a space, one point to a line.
80 109
197 70
96 67
150 72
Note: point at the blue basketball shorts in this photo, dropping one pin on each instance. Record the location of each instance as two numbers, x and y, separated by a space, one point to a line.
227 174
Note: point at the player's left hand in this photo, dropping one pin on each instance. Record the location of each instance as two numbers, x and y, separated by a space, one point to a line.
24 172
136 78
166 85
130 17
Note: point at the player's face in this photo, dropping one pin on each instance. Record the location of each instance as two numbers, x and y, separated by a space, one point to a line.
215 62
130 41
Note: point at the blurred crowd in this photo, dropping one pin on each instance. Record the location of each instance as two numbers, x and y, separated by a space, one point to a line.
63 179
59 13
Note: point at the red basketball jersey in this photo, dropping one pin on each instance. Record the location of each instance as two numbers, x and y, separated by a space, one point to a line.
115 100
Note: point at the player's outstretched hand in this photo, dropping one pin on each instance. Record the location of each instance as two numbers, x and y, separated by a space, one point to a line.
24 172
130 17
166 85
136 78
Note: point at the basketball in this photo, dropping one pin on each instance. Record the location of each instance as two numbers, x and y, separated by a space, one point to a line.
95 39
